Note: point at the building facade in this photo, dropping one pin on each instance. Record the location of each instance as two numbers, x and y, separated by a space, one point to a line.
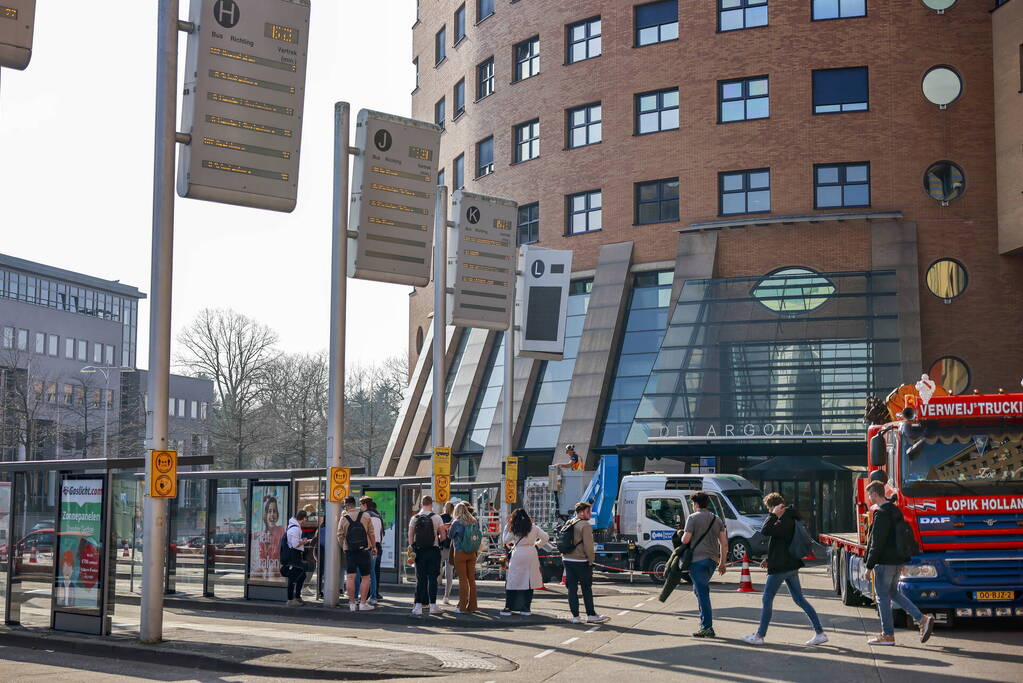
776 210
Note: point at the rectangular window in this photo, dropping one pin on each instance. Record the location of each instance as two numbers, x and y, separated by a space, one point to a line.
745 191
656 22
485 78
459 97
738 14
194 405
8 338
40 346
657 111
68 394
415 63
440 177
181 407
527 58
170 407
584 212
439 47
840 90
69 348
83 350
584 125
583 40
484 8
657 201
841 185
108 351
527 140
202 411
838 9
52 344
529 223
743 99
459 24
51 392
485 157
110 398
438 112
23 340
97 353
459 172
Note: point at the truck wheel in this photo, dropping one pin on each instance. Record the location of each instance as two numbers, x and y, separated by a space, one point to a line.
850 596
738 548
655 565
835 569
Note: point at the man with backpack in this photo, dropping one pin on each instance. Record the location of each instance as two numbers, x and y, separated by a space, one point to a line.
366 503
889 546
425 532
790 543
355 534
706 533
292 562
575 543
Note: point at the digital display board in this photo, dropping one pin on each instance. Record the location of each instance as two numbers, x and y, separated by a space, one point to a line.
17 21
243 100
393 197
541 302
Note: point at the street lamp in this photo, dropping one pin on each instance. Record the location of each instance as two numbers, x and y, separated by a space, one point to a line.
105 369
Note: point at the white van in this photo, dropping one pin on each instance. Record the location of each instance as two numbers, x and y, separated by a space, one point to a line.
651 507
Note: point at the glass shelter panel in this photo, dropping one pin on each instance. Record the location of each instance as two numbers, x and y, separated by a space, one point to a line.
32 548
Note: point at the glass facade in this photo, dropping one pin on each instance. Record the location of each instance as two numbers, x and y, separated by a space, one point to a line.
555 377
449 381
486 400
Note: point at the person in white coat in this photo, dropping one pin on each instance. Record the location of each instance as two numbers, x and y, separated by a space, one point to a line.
523 565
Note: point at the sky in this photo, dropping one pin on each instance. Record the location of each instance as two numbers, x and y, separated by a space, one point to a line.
76 162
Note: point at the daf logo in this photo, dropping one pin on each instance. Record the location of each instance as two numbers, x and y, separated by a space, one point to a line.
990 522
935 520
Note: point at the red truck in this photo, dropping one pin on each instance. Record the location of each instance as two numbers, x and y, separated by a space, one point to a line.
955 466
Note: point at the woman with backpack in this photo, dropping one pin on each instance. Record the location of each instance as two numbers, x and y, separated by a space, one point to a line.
465 538
783 566
523 565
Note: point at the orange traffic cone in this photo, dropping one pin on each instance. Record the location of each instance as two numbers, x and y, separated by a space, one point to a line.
125 552
746 581
564 575
33 557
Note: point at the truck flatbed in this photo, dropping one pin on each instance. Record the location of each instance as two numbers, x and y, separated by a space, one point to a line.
848 541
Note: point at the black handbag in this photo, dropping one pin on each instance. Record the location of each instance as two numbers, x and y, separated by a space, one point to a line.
686 556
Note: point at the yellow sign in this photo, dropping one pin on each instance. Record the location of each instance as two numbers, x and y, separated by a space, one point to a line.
442 460
340 484
511 479
163 474
441 488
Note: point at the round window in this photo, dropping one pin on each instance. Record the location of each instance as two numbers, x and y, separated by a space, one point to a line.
951 373
942 86
939 5
793 290
946 279
944 181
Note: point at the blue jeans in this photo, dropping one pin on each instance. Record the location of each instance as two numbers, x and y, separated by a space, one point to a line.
701 572
773 583
886 586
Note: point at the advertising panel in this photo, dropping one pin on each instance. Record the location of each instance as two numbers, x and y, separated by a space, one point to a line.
80 545
270 511
387 506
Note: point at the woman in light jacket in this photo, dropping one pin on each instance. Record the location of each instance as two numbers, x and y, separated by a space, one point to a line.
523 565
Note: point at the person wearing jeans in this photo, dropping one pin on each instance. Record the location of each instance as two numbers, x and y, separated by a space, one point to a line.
701 572
579 565
706 532
886 586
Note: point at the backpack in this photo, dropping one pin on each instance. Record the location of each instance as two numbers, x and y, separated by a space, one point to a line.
423 533
801 544
566 538
286 553
356 537
905 542
469 542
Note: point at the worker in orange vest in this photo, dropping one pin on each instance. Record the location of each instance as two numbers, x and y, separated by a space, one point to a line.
574 463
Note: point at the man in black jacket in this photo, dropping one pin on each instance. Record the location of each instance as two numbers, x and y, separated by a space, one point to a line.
782 567
884 564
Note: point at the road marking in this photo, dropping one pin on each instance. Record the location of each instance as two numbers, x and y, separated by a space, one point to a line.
542 654
593 630
570 641
650 598
623 613
637 605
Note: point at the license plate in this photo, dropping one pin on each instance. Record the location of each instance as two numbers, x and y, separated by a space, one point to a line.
996 595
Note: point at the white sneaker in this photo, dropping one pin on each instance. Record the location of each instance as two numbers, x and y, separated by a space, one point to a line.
458 611
436 609
373 601
596 619
818 639
366 607
446 601
417 610
352 607
525 614
504 613
753 639
575 620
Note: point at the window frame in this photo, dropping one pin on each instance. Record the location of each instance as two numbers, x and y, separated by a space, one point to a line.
479 10
745 81
744 5
659 201
454 22
637 112
517 64
531 224
813 92
842 183
570 127
458 169
440 48
636 28
480 80
570 43
570 212
957 262
440 112
746 190
813 12
518 142
483 170
458 111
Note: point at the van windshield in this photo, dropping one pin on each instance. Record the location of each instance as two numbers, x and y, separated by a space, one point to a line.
748 503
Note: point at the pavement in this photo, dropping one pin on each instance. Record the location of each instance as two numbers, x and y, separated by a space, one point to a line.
644 638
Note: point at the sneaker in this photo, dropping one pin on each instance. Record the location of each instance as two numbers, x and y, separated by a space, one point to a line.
446 601
705 633
818 639
458 611
352 607
373 601
926 627
525 614
575 620
504 613
417 610
882 639
293 603
299 600
436 609
596 619
366 607
752 639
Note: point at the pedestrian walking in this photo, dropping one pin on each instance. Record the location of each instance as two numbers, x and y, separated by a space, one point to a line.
365 503
884 564
380 551
465 536
709 553
425 532
293 565
447 569
355 534
783 567
523 573
575 541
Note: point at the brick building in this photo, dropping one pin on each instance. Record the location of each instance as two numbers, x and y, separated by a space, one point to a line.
775 211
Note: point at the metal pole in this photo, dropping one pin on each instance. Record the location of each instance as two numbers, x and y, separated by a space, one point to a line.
154 513
509 388
106 409
338 308
440 287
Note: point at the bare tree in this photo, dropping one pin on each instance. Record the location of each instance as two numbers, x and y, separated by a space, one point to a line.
85 413
373 398
29 412
295 398
236 352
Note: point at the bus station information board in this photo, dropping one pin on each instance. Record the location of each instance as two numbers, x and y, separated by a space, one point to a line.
394 187
244 91
17 19
484 261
